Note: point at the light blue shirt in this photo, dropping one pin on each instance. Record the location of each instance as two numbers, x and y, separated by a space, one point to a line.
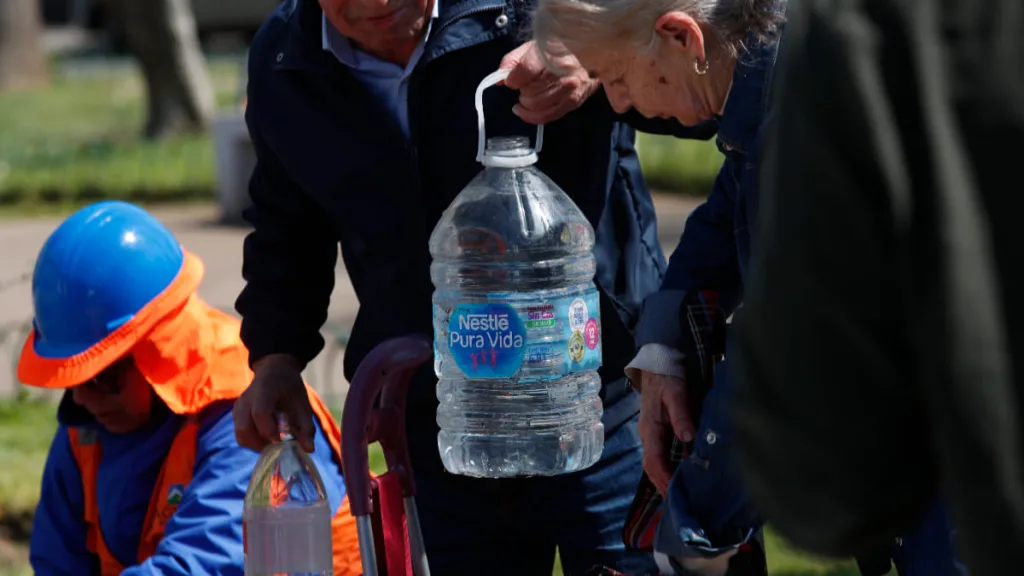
388 81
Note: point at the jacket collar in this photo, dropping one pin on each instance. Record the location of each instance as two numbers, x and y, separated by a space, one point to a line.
300 46
749 96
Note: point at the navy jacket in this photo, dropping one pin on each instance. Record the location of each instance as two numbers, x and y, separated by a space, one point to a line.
707 510
714 250
333 166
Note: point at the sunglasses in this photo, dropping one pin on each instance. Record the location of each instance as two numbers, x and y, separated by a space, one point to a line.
109 381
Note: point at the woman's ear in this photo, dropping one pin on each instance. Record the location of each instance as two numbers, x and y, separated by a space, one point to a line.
679 30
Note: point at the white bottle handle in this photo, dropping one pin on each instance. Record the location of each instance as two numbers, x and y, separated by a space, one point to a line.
488 81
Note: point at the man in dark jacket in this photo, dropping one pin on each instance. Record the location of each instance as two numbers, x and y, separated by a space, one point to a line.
883 328
362 118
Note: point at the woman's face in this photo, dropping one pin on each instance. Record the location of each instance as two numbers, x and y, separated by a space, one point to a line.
660 82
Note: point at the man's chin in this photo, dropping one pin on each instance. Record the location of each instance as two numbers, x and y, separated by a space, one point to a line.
397 40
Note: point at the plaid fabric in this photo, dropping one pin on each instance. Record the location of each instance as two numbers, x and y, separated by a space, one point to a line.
706 320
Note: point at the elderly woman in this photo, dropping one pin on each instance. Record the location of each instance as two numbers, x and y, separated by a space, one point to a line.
695 61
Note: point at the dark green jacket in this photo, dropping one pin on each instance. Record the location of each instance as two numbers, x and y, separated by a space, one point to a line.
884 308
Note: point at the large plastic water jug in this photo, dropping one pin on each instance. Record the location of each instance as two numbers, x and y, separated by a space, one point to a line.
517 325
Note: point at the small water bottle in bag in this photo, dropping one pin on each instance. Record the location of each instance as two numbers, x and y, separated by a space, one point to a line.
516 320
287 517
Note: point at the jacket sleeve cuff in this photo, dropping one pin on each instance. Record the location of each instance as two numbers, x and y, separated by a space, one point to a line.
262 342
656 359
659 320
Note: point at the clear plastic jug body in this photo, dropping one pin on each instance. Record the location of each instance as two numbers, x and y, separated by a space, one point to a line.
287 517
516 324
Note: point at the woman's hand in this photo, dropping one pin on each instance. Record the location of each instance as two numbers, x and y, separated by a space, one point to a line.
664 413
543 95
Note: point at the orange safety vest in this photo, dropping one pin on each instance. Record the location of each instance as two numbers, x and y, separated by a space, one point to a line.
172 481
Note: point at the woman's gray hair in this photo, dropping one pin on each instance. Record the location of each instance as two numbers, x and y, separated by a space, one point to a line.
592 25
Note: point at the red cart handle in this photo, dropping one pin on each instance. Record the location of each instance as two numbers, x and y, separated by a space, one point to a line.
386 371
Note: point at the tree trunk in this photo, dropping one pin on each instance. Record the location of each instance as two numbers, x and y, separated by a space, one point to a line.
22 57
162 35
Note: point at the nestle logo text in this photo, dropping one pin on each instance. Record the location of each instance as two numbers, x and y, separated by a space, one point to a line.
483 322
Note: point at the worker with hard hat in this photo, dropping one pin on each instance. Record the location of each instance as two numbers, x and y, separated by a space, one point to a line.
144 475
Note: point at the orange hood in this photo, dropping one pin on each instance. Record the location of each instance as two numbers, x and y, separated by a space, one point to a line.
188 351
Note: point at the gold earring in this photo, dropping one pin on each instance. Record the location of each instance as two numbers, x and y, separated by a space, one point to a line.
700 70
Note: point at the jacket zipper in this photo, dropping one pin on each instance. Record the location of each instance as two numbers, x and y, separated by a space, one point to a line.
413 117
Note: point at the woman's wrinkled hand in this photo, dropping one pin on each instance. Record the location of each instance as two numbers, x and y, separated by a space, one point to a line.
543 95
664 413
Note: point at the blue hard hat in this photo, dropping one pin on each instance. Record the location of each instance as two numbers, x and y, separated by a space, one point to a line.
95 272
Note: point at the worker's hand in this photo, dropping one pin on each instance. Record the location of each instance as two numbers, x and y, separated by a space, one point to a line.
543 95
276 387
664 413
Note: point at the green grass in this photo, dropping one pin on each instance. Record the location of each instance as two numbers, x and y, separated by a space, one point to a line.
26 430
679 166
76 141
14 567
27 427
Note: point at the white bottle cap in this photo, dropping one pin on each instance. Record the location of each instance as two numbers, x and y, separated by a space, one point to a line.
500 158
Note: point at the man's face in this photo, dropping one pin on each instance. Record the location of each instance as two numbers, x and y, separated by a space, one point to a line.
384 28
119 398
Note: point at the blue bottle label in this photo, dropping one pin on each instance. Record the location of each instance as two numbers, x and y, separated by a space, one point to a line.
494 340
486 340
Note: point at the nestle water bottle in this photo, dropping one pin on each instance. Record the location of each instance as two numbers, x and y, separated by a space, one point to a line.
287 518
516 320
